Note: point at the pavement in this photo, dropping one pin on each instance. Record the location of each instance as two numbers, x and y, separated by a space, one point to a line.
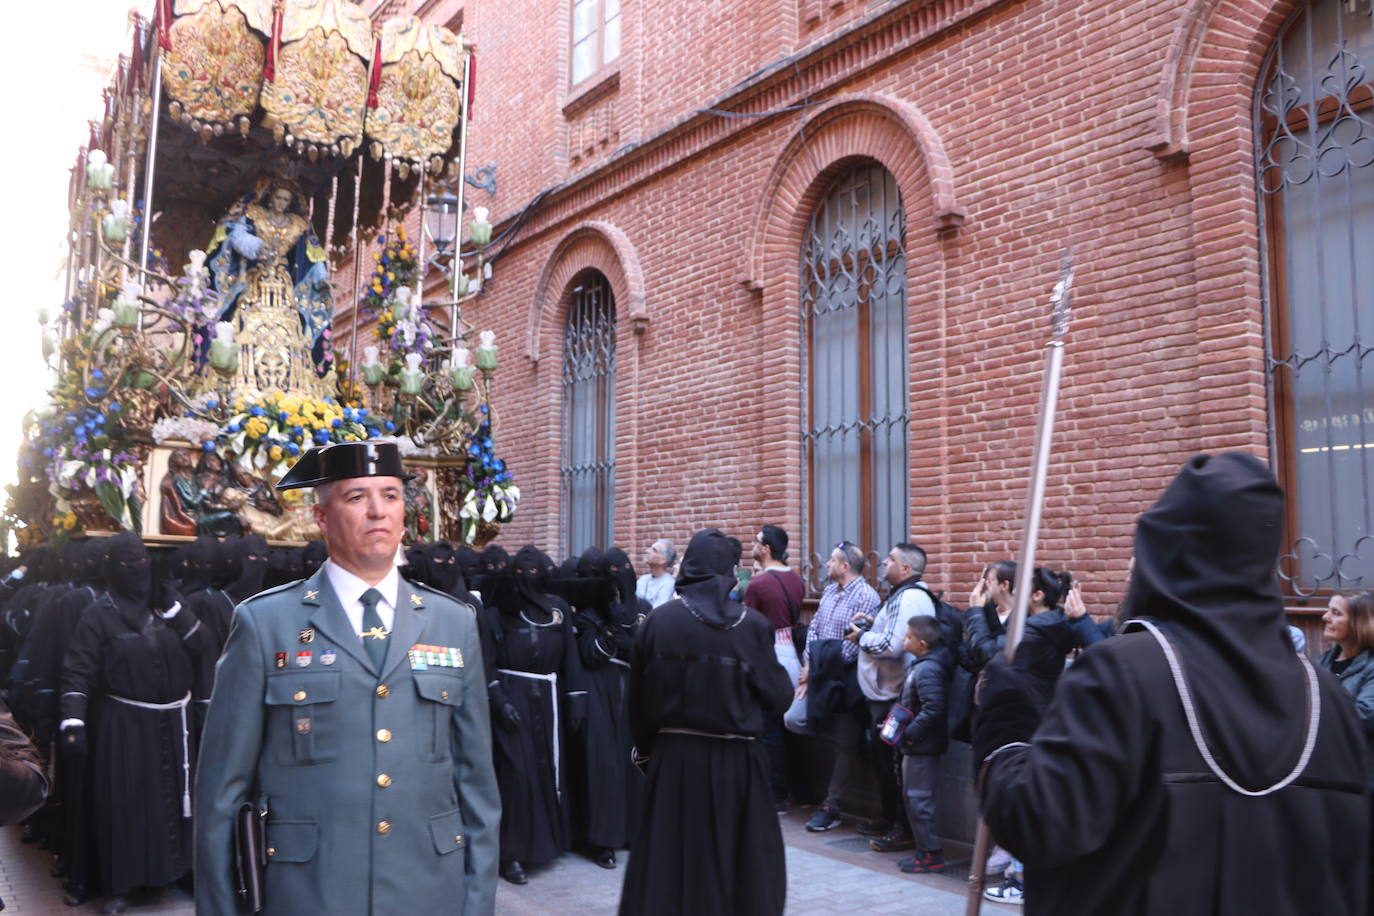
827 873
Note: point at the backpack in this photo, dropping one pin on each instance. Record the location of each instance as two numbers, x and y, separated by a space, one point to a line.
959 701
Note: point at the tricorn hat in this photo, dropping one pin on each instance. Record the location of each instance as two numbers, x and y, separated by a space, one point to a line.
345 461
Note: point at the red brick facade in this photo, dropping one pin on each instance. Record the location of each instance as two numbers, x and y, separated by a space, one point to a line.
1014 129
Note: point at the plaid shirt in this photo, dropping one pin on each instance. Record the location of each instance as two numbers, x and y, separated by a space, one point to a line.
839 604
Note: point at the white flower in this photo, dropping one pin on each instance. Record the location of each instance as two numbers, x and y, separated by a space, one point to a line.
119 209
103 319
369 356
224 332
462 358
413 362
480 214
486 340
96 158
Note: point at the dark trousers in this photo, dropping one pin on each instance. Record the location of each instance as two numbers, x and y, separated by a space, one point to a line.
884 759
920 780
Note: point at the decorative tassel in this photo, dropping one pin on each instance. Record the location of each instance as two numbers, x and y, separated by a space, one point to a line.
374 74
269 67
164 24
472 81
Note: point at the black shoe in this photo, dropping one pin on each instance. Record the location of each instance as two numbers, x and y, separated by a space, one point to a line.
874 828
115 906
894 840
605 858
513 873
75 896
825 818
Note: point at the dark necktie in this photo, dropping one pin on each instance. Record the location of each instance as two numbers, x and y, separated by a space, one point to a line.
374 637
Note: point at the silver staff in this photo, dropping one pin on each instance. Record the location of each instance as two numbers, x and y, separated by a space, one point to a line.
1030 533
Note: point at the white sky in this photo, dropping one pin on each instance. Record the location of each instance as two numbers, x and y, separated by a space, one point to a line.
57 58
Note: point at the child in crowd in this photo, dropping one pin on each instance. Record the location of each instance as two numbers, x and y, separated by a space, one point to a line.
925 739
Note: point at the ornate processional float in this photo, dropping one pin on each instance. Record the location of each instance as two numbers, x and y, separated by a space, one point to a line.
255 143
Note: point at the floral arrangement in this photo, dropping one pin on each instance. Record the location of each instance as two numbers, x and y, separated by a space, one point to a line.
268 432
83 449
185 429
485 488
396 266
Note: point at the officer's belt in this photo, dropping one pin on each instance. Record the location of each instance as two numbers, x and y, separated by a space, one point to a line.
185 740
552 678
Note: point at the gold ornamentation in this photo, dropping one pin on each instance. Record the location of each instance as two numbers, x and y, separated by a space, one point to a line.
375 633
416 600
320 92
311 594
418 106
214 70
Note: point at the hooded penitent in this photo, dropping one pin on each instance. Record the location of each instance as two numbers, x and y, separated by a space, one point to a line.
1204 572
313 557
127 575
251 556
444 573
705 578
529 578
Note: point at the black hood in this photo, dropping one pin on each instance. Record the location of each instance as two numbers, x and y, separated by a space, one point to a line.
444 572
530 578
251 555
312 557
1205 572
706 576
128 571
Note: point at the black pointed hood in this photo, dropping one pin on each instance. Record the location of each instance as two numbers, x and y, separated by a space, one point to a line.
1205 572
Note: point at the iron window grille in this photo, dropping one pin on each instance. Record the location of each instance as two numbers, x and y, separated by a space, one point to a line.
587 465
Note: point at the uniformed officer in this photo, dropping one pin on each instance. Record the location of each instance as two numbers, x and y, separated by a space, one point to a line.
352 707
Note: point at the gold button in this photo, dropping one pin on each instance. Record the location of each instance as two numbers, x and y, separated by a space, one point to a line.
382 690
300 695
444 694
458 839
383 780
384 827
383 735
271 850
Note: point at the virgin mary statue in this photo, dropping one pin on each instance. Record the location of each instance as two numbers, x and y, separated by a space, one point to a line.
273 283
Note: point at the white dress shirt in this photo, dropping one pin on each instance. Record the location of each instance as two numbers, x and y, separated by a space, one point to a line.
350 590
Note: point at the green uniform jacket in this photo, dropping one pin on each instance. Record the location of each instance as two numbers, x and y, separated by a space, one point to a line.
380 790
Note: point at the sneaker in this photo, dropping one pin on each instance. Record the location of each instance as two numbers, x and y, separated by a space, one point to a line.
1009 891
893 840
874 828
781 806
825 818
926 862
998 862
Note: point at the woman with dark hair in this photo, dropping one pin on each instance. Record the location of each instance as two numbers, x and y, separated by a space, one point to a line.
1349 623
703 677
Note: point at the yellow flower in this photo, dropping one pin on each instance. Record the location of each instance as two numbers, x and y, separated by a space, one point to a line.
274 453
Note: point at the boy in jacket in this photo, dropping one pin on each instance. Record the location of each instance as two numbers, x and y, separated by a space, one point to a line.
925 739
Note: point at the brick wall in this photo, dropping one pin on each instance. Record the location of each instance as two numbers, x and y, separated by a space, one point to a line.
1014 129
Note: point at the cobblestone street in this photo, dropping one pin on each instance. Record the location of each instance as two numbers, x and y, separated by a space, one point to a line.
826 873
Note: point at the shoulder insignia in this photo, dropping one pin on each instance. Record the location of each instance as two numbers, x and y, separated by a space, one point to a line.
312 594
416 599
275 591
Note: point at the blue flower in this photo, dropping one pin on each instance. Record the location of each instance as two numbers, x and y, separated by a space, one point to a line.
257 411
92 392
482 409
373 432
69 419
390 426
336 423
297 431
96 373
293 448
48 452
211 404
282 416
498 464
473 451
81 433
321 436
234 426
114 407
208 445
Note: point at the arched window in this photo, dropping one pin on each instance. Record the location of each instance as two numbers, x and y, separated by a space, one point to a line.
587 468
854 435
1314 130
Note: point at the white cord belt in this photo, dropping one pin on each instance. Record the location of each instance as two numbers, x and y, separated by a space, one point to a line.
180 704
552 678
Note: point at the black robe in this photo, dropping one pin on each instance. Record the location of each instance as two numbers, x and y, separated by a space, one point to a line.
139 758
708 838
610 787
528 759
